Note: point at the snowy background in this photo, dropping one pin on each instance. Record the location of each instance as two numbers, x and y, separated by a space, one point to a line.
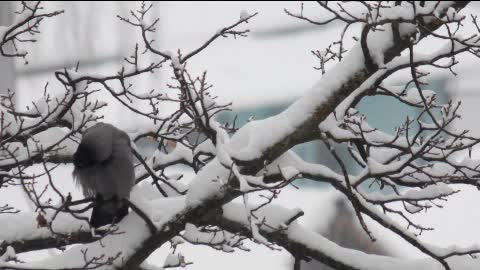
271 66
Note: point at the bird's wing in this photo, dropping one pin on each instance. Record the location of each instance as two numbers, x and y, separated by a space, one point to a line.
85 182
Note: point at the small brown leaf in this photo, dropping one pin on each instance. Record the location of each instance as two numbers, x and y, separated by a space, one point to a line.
41 220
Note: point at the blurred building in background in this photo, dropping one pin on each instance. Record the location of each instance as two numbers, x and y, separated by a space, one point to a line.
87 34
345 230
7 66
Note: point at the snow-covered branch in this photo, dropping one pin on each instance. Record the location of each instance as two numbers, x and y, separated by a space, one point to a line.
24 28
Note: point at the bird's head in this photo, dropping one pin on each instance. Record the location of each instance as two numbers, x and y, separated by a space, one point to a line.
84 157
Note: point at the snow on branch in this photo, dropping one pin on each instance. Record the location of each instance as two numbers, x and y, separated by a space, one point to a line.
24 29
301 241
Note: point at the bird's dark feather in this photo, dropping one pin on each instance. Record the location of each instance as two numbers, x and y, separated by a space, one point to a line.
84 157
109 211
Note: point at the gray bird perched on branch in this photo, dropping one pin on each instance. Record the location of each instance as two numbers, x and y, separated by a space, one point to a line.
104 168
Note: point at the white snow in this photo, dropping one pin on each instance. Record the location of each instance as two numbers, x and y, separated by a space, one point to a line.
289 172
9 254
24 226
3 30
244 15
174 260
439 190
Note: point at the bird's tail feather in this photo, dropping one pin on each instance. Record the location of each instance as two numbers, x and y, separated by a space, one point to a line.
107 212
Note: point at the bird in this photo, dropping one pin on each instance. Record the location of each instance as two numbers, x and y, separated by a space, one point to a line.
104 169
